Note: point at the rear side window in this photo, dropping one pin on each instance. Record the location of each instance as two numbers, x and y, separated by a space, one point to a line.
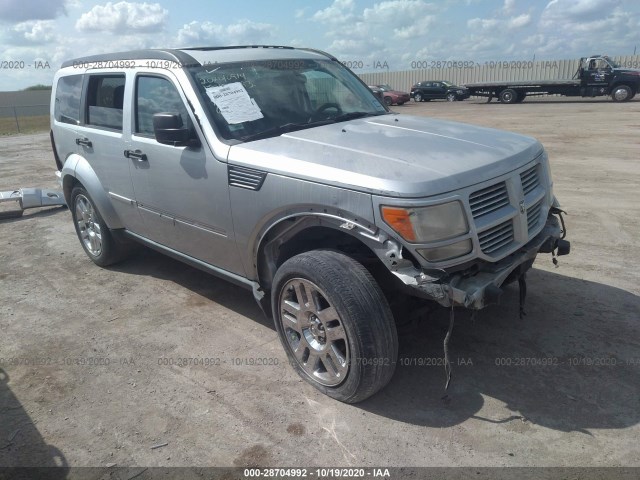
156 95
67 105
105 97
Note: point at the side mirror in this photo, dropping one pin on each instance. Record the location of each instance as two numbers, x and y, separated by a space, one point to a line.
169 130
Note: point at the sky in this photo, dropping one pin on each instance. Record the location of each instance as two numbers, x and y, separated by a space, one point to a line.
36 36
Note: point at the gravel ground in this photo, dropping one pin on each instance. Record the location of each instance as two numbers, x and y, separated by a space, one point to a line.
85 379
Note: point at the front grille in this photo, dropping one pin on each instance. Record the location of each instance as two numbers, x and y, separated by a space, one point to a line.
488 199
497 237
529 179
533 217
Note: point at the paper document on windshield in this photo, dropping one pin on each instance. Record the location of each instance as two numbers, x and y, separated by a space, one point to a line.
234 103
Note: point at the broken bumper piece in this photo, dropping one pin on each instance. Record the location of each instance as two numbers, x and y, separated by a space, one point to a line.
481 287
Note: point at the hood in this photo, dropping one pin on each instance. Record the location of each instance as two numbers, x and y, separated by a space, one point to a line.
629 71
391 155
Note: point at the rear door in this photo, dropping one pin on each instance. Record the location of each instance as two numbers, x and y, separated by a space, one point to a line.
101 140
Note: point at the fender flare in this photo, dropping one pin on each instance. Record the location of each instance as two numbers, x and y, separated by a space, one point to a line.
386 248
77 168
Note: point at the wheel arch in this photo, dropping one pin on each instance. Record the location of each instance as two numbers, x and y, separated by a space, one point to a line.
634 86
77 170
304 232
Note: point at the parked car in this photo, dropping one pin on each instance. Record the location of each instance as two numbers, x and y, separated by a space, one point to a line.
438 90
378 92
391 96
275 170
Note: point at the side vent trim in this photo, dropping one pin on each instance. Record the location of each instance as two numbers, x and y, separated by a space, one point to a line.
243 177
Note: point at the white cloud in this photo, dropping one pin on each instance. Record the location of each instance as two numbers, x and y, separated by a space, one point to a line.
483 23
340 11
32 32
509 7
418 29
21 10
519 21
123 17
242 32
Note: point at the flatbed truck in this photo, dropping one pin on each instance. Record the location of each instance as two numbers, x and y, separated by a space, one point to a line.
597 75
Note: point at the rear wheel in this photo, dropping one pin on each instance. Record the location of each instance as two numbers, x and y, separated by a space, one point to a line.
621 93
335 324
508 95
94 235
417 97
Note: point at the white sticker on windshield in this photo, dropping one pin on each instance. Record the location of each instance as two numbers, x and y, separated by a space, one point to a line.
234 103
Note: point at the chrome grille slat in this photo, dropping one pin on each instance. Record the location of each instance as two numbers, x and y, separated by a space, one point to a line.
488 199
497 237
529 179
533 216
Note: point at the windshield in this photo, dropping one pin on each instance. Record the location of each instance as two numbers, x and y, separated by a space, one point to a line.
448 84
259 99
612 62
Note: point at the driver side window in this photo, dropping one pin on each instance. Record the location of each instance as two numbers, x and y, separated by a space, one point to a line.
156 95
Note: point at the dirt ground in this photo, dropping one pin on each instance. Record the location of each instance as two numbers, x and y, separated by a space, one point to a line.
85 351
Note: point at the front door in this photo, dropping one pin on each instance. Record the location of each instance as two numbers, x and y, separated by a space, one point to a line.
181 192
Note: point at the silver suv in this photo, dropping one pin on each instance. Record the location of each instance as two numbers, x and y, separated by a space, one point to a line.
277 168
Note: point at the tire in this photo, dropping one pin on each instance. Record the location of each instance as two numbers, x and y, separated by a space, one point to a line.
451 97
359 357
388 101
508 95
417 97
621 93
94 235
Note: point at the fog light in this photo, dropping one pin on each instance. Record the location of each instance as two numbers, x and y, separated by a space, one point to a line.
446 252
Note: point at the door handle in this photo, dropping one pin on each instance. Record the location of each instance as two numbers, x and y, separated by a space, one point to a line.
137 154
84 141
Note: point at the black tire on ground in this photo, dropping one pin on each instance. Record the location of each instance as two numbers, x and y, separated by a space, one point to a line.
451 97
327 293
621 93
95 237
417 97
508 95
388 101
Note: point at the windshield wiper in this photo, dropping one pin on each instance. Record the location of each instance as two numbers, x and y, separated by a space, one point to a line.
353 115
292 127
280 129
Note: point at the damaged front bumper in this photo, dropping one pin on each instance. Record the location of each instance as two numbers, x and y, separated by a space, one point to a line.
480 286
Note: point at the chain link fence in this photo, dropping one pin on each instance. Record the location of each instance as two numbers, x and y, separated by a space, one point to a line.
24 119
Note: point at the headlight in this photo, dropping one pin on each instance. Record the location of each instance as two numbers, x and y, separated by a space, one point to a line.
427 224
446 252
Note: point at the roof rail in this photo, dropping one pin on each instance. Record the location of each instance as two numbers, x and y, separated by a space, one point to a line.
229 47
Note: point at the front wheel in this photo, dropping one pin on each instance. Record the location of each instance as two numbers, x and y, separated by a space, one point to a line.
94 235
417 97
451 97
621 93
388 102
335 324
